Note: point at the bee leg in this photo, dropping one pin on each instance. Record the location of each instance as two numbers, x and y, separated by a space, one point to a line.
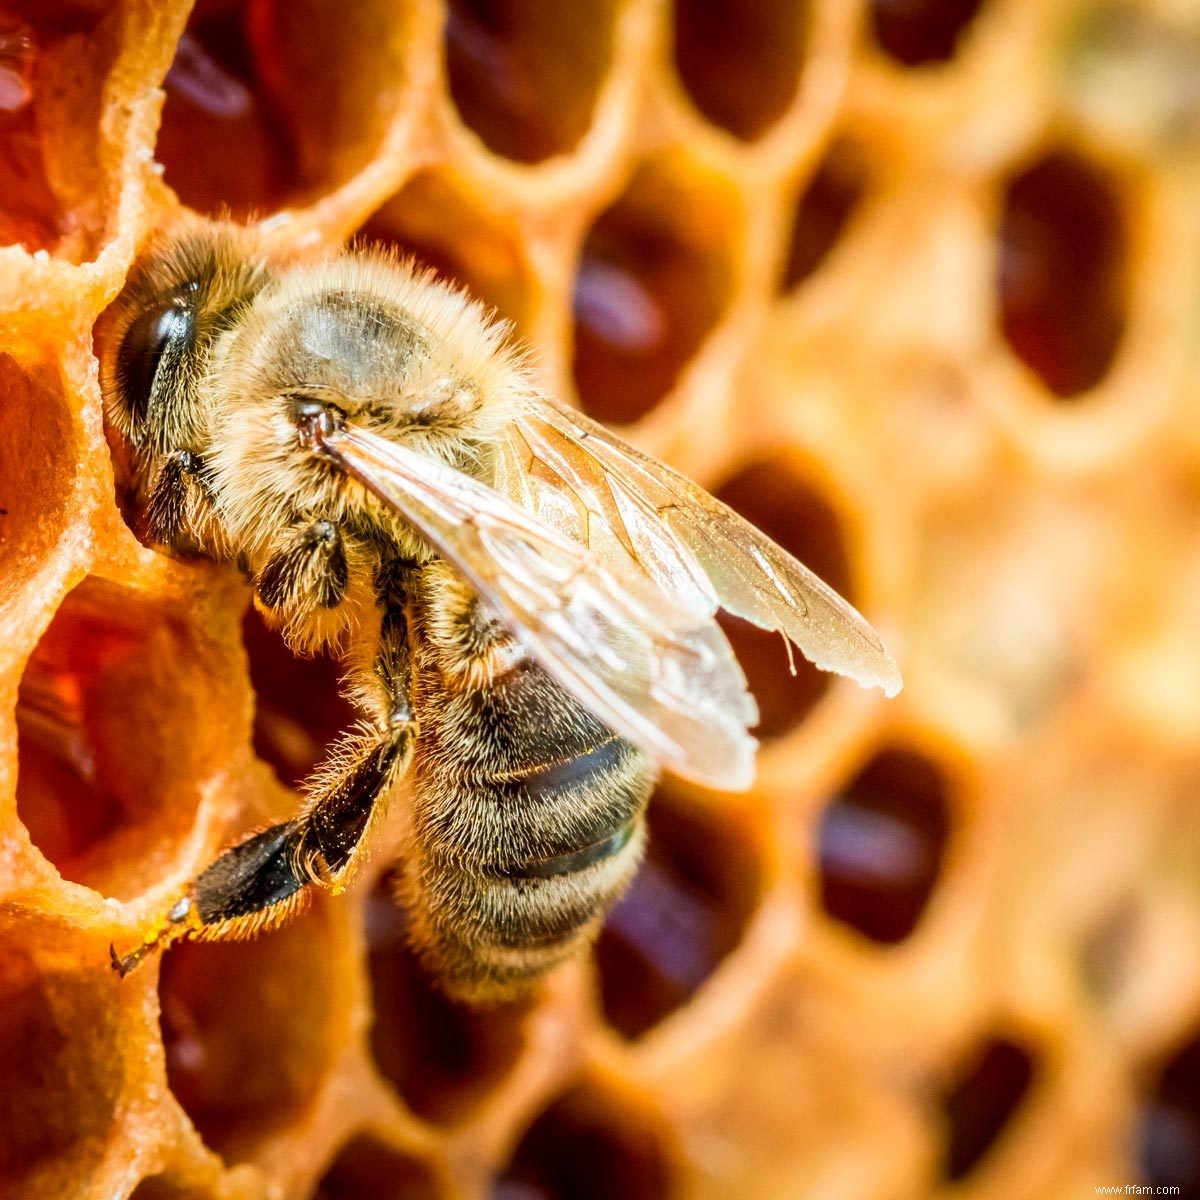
233 895
345 799
260 882
345 793
172 496
308 569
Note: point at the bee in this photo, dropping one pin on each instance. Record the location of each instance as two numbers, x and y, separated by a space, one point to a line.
524 604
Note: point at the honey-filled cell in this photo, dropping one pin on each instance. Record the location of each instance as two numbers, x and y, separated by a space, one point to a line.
652 281
523 75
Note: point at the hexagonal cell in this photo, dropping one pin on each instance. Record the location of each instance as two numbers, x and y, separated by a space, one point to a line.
368 1170
61 1066
443 1057
524 75
921 32
54 62
685 911
740 61
980 1103
265 76
436 223
111 761
773 497
828 202
215 101
247 1029
1063 270
654 278
37 467
298 706
1169 1124
590 1145
1131 71
880 845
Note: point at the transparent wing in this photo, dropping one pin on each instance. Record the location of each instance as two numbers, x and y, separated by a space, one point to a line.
698 549
654 672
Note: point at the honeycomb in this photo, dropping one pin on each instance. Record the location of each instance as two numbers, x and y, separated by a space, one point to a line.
913 284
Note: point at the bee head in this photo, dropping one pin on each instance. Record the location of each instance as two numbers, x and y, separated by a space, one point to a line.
152 342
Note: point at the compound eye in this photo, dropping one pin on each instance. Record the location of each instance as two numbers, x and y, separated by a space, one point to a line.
146 340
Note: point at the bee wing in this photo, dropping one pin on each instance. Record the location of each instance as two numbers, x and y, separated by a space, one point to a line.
699 549
650 670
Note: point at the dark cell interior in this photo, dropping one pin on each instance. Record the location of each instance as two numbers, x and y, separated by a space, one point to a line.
740 60
775 499
686 909
58 1091
245 1027
823 211
982 1101
917 32
223 142
434 223
161 1187
1062 271
104 803
332 118
442 1057
524 75
368 1170
298 706
653 280
880 845
588 1146
1169 1125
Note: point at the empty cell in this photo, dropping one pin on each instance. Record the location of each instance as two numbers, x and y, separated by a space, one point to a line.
982 1101
880 845
918 32
653 280
223 143
685 911
1169 1124
435 223
1062 272
740 60
334 73
246 1029
773 497
298 706
60 1067
589 1145
37 471
525 75
443 1057
111 760
368 1170
826 205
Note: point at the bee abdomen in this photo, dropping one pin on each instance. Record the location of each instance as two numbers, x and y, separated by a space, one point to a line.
514 860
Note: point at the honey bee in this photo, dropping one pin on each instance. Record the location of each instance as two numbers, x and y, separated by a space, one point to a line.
524 604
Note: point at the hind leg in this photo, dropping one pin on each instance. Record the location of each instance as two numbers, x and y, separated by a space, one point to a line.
262 880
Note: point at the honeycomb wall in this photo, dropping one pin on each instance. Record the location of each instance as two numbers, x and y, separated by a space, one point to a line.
915 286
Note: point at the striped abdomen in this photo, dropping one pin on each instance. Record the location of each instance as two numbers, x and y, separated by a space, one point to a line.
526 816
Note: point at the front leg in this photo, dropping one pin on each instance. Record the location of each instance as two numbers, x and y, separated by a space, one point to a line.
180 505
304 584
